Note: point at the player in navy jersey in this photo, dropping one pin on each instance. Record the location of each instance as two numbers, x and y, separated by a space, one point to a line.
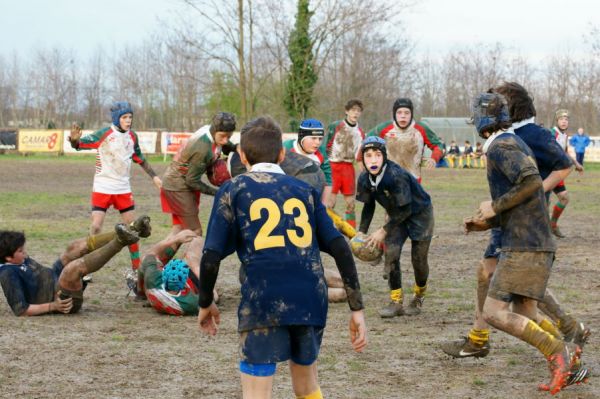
554 165
278 226
410 215
32 289
518 207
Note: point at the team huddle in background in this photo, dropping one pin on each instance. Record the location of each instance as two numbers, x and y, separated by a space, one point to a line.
273 206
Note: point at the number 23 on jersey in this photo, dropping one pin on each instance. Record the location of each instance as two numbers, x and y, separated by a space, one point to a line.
264 239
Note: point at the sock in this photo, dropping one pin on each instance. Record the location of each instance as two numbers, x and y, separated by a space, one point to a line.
350 217
315 395
566 324
168 254
542 340
556 212
550 328
98 258
96 241
479 337
134 254
419 291
396 295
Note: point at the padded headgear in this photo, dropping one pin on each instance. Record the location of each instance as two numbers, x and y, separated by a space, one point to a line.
373 143
560 113
175 274
310 127
222 122
118 109
489 109
403 102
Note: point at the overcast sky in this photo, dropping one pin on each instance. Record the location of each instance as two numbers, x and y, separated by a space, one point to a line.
533 28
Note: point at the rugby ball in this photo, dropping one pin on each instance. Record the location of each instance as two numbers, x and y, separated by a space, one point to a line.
363 252
217 173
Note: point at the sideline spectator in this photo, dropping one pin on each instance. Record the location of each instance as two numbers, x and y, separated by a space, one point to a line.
579 142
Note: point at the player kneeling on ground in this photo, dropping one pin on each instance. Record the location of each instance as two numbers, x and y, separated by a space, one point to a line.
32 289
518 206
172 289
410 214
277 225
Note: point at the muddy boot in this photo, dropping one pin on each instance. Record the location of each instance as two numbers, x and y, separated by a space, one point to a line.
142 226
414 306
392 309
556 231
125 235
464 347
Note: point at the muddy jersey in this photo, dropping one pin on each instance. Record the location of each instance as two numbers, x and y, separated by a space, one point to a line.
276 224
28 283
406 146
343 141
116 150
318 157
547 152
185 302
561 138
525 227
194 156
395 189
293 164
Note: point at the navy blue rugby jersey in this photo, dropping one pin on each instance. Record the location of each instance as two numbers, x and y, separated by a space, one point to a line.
276 224
397 188
25 284
526 227
548 154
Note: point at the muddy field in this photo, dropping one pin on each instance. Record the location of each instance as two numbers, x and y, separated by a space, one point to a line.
117 348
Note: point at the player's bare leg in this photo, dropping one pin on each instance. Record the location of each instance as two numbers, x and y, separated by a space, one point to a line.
476 344
335 286
304 381
254 387
572 330
563 359
70 280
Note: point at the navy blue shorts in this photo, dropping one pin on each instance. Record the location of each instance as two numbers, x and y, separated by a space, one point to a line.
495 245
301 344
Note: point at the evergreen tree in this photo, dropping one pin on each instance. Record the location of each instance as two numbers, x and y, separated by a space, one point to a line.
302 78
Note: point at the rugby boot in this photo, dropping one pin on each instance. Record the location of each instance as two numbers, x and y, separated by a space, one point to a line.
578 376
125 235
464 347
414 306
392 309
556 231
142 226
564 368
579 335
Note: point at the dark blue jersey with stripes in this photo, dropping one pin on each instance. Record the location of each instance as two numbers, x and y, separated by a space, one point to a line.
548 154
276 224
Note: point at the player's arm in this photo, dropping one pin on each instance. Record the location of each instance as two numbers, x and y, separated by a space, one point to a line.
552 154
367 213
87 142
433 142
15 297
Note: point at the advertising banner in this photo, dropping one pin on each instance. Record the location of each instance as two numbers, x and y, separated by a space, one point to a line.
40 140
148 142
171 141
8 140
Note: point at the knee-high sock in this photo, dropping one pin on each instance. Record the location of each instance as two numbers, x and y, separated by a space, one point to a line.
134 254
542 340
98 258
558 209
96 241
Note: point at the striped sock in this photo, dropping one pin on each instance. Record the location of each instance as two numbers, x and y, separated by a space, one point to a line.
556 212
134 254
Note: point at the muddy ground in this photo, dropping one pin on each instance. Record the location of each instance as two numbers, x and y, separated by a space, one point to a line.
117 348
